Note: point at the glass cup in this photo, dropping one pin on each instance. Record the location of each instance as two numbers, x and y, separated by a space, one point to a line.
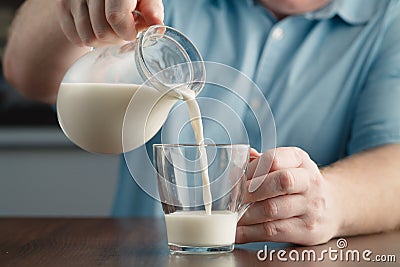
201 213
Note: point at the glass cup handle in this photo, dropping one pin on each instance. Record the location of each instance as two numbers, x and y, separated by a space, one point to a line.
242 210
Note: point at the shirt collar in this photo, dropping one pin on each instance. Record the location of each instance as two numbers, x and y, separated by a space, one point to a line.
352 11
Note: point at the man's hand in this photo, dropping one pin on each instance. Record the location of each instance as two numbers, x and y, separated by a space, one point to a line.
292 201
97 22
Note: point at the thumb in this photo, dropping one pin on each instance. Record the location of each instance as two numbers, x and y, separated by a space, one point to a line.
152 11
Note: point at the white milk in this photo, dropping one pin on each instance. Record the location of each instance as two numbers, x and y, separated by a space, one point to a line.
196 228
92 115
195 119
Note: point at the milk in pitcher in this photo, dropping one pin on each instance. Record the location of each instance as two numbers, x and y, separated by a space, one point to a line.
92 115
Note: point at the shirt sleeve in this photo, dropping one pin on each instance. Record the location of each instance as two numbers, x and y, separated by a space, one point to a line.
377 116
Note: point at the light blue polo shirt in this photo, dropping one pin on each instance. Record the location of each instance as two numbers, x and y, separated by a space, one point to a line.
331 77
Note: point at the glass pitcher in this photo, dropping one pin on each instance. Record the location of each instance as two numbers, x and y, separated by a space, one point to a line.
96 91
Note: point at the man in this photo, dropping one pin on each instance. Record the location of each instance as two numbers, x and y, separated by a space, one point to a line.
329 69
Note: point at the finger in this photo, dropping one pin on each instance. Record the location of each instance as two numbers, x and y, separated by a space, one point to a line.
256 164
100 26
152 11
120 18
272 160
275 159
82 22
254 154
140 23
291 230
277 183
67 22
276 208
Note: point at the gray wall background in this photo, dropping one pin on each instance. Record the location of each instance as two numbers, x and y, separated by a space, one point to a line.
43 174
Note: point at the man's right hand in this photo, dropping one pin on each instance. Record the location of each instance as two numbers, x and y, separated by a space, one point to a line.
99 22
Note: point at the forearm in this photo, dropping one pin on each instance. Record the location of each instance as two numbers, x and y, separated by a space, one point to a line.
37 53
367 190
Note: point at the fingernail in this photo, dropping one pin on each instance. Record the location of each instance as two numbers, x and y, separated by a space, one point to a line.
253 158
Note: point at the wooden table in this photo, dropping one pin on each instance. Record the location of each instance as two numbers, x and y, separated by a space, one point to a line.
142 242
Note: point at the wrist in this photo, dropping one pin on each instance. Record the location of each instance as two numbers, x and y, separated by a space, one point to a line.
336 203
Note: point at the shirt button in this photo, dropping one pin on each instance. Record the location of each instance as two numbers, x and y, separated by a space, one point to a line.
277 34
